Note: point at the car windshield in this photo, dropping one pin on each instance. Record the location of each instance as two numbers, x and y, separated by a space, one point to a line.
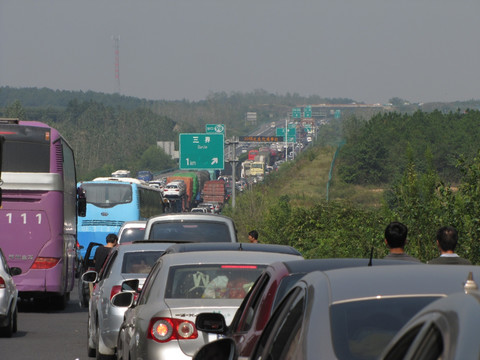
195 231
362 329
139 262
211 281
132 234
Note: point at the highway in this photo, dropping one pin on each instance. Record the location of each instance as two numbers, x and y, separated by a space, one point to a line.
45 334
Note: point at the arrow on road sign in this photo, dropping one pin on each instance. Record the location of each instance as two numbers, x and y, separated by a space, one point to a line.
214 161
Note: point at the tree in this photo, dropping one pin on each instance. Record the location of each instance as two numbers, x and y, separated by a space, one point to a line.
16 110
155 159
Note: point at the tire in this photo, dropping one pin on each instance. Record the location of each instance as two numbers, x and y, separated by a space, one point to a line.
91 352
15 320
83 294
7 330
59 302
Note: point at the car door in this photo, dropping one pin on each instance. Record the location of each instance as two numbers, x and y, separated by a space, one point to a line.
86 264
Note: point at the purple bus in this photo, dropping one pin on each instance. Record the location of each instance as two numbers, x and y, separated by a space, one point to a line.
38 215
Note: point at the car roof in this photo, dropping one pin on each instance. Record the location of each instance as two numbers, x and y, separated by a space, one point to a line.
225 246
189 216
397 279
298 266
143 246
133 224
225 257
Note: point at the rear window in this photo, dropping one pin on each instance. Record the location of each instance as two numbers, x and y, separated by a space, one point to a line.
362 329
131 234
211 281
26 156
139 262
194 231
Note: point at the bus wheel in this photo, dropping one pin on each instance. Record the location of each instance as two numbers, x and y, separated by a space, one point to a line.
59 302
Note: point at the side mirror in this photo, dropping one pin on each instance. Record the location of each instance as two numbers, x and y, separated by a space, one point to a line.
213 323
131 285
219 349
15 271
90 277
123 299
81 202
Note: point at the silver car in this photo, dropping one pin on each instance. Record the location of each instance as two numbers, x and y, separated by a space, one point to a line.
125 261
191 227
347 313
446 329
183 283
8 298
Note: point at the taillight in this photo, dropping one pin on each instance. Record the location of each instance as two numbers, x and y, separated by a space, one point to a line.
239 266
115 290
167 329
2 283
45 263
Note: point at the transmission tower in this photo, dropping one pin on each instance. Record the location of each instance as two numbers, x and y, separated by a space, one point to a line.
116 40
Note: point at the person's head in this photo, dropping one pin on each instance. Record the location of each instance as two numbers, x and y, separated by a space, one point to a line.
447 238
253 236
112 239
396 235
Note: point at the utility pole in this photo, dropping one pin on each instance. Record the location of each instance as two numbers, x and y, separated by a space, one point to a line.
116 40
233 163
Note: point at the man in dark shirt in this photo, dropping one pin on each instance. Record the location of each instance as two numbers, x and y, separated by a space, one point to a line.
447 239
395 239
102 251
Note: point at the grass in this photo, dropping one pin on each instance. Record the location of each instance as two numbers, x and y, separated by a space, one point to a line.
305 182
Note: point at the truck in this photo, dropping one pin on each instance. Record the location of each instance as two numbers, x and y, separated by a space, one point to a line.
183 202
194 182
258 166
246 166
145 175
214 192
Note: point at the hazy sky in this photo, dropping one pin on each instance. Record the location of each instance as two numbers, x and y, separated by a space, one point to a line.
367 50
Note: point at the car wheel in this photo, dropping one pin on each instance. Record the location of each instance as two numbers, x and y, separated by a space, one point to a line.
59 302
15 320
83 294
91 351
7 331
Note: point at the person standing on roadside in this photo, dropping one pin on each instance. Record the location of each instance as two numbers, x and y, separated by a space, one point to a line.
395 239
102 251
447 239
253 236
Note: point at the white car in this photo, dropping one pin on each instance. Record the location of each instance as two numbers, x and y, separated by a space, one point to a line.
173 189
131 231
8 298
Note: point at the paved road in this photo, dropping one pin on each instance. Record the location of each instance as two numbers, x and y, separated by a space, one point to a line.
47 334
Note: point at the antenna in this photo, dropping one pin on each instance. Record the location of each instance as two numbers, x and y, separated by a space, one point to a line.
116 40
371 257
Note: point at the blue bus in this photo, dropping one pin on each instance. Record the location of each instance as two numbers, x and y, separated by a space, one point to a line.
111 202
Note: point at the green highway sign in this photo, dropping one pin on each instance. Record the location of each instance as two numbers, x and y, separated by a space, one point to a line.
290 132
215 129
201 151
307 111
296 113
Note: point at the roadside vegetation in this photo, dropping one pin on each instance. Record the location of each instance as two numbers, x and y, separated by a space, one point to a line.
410 185
418 167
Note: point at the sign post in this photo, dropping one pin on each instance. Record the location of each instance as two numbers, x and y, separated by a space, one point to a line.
201 151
